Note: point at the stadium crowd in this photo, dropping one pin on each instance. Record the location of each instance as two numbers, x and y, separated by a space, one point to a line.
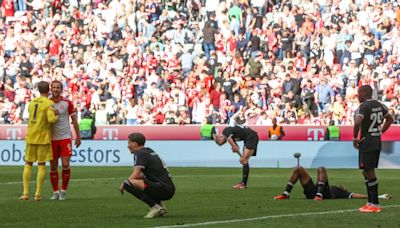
180 61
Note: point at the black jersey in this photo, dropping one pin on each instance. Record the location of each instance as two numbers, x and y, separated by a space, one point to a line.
239 133
373 113
154 169
339 193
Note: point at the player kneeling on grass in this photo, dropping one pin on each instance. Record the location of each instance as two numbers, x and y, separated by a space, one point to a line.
150 180
321 190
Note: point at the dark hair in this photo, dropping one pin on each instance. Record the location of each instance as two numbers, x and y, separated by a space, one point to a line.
367 90
43 87
138 138
56 81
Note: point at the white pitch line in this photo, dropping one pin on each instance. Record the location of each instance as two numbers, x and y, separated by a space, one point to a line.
265 218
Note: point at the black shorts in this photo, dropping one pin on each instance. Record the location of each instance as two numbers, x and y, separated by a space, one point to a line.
159 191
311 189
368 159
251 142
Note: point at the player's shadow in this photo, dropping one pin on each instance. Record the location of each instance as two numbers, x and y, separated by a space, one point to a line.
336 155
343 155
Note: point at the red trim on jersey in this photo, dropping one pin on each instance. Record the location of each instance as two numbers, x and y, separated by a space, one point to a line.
71 108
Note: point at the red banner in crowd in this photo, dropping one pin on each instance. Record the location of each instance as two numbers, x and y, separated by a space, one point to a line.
192 132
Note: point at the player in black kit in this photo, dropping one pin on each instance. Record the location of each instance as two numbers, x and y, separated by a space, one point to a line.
237 132
150 180
369 118
321 190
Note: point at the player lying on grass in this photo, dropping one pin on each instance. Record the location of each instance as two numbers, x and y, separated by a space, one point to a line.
150 180
321 190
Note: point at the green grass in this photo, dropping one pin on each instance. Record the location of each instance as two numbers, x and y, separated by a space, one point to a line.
203 195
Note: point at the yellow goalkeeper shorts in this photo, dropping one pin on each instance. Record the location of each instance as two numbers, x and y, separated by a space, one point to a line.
38 152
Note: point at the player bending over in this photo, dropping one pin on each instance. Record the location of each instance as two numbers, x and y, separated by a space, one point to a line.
150 180
321 190
237 132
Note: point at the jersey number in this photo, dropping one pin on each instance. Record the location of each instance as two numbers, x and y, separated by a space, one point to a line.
376 121
34 112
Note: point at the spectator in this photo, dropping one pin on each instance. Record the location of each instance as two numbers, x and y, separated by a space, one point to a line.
325 95
332 132
87 127
107 53
275 132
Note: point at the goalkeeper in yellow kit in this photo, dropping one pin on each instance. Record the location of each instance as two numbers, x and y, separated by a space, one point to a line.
38 138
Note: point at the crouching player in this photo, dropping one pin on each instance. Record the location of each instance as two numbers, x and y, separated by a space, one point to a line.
321 190
150 180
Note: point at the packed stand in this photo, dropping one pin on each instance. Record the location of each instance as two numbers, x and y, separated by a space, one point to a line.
178 62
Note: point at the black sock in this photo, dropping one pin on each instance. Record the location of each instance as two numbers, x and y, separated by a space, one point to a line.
368 191
373 188
246 170
320 189
288 189
138 193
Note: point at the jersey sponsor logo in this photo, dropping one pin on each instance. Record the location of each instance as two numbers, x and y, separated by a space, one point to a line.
13 133
110 134
315 134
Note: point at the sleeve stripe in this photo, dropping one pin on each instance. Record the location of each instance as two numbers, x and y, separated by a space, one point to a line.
351 195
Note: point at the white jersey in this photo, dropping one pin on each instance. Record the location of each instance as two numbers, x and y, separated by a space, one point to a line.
61 129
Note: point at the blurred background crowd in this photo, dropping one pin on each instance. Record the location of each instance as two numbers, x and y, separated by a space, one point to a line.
181 61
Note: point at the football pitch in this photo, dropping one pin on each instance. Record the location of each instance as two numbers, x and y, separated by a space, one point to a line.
204 198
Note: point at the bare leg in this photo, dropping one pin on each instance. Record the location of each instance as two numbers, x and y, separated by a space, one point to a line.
298 173
322 178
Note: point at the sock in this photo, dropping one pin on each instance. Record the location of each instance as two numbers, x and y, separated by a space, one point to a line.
40 178
320 189
54 180
66 174
246 170
373 188
138 193
288 189
368 191
26 177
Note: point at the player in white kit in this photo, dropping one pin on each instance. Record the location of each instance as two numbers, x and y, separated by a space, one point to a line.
61 140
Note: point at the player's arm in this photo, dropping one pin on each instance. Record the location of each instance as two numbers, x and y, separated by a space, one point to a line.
76 128
357 125
362 196
358 196
136 175
234 146
388 121
52 115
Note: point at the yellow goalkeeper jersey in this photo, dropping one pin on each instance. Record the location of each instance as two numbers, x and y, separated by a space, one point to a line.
41 116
